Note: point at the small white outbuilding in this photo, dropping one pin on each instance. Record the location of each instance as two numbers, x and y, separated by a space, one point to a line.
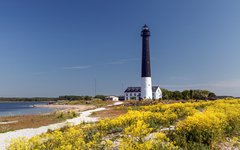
113 98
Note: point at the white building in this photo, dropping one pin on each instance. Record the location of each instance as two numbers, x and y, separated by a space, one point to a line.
113 98
135 93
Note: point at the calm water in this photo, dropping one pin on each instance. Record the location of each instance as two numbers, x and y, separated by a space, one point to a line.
22 108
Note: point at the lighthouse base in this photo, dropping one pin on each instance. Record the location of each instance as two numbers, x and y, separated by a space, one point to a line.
146 88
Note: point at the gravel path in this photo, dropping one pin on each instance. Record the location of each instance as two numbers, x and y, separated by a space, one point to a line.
30 132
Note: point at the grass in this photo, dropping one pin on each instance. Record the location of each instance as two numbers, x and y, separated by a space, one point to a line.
111 112
34 121
94 102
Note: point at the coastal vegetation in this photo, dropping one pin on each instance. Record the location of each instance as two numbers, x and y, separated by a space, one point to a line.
168 126
188 94
11 123
94 102
167 95
65 109
86 97
110 112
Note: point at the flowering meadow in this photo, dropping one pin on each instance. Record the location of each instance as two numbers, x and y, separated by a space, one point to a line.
188 125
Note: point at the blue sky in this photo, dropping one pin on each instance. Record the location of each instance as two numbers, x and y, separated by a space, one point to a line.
52 48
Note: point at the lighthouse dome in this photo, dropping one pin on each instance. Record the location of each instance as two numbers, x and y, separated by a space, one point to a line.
145 31
145 27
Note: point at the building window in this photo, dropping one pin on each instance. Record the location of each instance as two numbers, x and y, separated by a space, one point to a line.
130 94
126 94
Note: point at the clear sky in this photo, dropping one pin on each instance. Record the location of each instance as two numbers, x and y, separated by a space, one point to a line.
59 47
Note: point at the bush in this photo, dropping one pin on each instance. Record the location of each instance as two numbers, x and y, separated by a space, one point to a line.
145 129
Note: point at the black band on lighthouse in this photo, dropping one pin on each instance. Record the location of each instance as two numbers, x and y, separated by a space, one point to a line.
146 69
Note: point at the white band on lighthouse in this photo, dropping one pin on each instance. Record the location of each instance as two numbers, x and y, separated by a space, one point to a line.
146 88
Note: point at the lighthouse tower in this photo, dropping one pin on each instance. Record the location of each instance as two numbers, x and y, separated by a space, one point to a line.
146 83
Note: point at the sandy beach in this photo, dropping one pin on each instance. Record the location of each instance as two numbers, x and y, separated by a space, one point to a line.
67 107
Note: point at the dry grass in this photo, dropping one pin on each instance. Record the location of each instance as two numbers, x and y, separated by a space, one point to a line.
109 113
94 102
31 121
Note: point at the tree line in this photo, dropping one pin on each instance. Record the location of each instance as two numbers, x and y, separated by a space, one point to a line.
167 95
86 97
188 94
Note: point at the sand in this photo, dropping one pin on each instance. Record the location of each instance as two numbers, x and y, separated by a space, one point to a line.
5 138
80 107
8 122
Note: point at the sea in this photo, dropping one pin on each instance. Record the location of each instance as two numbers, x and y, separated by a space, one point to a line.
22 108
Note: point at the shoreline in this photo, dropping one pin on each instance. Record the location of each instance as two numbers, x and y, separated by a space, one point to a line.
54 107
6 137
57 108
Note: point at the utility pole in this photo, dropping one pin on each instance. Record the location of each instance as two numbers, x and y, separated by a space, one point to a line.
122 89
95 87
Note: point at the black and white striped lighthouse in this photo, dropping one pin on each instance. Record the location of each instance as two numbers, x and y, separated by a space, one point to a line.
146 83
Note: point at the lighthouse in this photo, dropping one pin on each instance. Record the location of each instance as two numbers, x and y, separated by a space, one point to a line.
146 81
146 91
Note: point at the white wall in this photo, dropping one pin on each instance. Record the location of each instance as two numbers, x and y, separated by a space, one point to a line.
137 95
129 95
146 88
157 94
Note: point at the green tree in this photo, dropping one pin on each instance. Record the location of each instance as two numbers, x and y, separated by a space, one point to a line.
102 97
166 94
87 97
191 94
186 95
212 96
177 95
201 94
